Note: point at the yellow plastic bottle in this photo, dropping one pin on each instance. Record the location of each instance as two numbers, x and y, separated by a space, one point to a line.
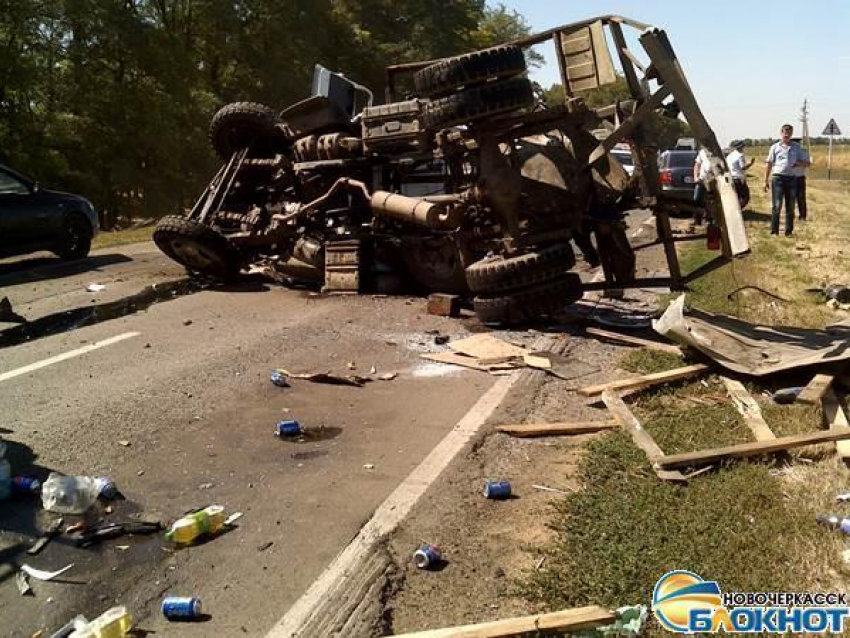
113 623
208 521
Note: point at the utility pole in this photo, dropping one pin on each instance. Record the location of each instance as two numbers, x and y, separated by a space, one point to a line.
804 118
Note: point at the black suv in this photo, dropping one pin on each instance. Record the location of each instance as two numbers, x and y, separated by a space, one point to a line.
33 219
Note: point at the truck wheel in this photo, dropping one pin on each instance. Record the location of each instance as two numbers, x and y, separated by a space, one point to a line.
245 124
498 274
76 238
446 76
549 298
478 102
199 248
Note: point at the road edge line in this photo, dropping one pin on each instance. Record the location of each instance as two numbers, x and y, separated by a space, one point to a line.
392 511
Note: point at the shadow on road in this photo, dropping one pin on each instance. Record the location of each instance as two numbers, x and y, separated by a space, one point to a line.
42 268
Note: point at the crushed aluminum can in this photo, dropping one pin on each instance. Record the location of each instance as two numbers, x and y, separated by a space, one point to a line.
181 607
427 556
279 379
288 428
497 490
106 487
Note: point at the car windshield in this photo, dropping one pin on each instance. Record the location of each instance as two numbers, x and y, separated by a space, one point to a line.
11 186
681 160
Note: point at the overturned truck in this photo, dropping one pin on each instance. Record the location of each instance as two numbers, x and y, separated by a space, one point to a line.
468 185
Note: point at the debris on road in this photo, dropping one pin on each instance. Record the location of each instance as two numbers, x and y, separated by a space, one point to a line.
264 546
189 528
753 349
181 608
567 621
816 389
112 623
278 378
443 305
441 340
838 292
107 531
106 487
427 557
40 574
124 443
23 583
486 346
554 429
389 376
95 287
51 531
368 466
497 490
288 428
187 322
230 520
645 381
69 494
633 340
544 488
749 410
326 377
25 485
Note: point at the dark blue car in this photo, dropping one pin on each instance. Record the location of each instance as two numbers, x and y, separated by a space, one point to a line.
33 218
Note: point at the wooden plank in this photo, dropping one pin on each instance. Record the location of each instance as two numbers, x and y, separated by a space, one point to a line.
816 388
753 449
554 429
645 380
633 340
749 409
836 417
641 437
569 620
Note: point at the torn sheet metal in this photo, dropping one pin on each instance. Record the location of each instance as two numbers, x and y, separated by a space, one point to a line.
753 349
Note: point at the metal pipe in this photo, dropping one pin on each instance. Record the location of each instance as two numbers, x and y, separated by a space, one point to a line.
414 210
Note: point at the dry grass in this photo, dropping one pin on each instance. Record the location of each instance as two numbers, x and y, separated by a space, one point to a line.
109 239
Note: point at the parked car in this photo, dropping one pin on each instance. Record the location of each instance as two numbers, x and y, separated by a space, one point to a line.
33 218
624 155
676 173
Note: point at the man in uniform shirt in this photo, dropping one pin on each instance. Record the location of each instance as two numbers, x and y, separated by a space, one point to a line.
702 177
782 158
800 184
738 166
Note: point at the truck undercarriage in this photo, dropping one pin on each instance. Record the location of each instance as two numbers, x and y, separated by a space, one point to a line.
469 185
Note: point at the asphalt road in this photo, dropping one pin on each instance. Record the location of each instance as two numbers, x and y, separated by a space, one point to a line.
190 393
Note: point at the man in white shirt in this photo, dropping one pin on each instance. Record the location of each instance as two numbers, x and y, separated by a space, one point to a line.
782 158
738 166
702 176
800 184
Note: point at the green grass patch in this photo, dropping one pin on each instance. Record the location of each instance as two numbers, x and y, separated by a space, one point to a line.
647 361
109 239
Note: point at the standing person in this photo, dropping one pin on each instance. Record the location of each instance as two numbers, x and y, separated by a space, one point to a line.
779 177
738 166
800 184
702 175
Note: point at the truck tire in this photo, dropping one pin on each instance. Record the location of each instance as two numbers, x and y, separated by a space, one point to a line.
498 274
76 237
549 298
446 76
197 247
478 102
245 124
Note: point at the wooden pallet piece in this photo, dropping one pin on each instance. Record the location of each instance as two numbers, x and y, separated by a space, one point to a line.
554 429
749 409
816 388
568 620
635 341
752 449
645 381
836 417
629 422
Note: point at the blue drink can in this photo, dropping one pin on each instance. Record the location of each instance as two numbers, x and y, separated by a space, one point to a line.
106 487
279 379
181 607
288 428
497 489
25 485
427 556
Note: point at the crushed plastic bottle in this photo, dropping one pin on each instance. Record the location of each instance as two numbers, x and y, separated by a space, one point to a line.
113 623
69 494
207 521
835 522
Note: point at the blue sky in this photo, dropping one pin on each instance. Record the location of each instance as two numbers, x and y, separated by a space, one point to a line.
750 64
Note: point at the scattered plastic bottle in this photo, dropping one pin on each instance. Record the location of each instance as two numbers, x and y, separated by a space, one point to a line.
208 521
279 379
113 623
5 479
69 494
25 485
106 487
835 522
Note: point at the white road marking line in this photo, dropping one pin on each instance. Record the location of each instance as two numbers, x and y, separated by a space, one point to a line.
391 512
67 355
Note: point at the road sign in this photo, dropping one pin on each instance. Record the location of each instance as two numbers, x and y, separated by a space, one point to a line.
831 128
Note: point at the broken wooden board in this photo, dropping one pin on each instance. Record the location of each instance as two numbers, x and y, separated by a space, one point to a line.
567 621
815 389
749 409
641 437
555 429
485 346
635 341
454 358
741 450
646 380
835 417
